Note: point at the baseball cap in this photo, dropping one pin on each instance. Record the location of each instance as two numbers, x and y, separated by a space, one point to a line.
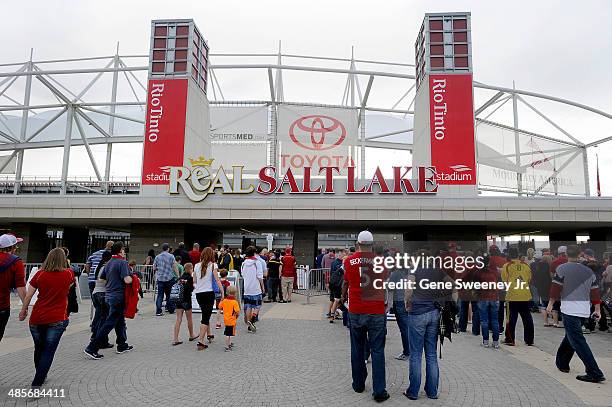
365 237
589 252
562 249
8 240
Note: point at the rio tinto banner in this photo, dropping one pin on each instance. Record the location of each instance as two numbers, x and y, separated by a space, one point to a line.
164 129
451 111
316 137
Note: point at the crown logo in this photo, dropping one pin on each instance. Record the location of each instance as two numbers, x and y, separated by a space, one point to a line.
201 162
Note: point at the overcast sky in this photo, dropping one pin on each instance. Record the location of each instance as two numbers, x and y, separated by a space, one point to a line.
558 48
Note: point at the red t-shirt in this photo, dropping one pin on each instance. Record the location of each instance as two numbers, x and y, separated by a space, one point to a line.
13 276
194 256
367 299
52 302
288 266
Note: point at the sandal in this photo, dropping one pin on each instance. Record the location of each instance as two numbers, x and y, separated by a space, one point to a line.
210 338
193 339
177 343
201 346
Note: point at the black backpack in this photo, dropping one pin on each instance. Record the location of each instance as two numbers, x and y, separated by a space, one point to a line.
336 274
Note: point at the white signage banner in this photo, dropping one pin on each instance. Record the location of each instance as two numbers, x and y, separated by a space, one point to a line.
239 135
317 137
546 166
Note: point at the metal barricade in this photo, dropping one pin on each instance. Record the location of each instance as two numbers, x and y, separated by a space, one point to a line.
312 282
147 277
318 281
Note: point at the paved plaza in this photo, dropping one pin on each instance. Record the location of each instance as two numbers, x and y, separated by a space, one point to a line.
295 359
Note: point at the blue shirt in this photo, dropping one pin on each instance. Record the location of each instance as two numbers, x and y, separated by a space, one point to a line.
163 264
93 262
114 272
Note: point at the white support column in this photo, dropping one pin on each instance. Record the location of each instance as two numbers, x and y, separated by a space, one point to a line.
517 146
587 184
24 125
111 123
66 157
280 96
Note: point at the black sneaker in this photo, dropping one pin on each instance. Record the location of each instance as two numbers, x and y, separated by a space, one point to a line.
126 349
590 379
159 314
379 398
93 355
107 346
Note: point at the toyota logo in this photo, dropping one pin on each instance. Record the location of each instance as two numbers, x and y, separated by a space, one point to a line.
317 132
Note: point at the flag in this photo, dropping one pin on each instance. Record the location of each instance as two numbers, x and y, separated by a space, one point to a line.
598 183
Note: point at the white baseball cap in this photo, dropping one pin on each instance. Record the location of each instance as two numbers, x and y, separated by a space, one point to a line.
8 240
562 249
365 237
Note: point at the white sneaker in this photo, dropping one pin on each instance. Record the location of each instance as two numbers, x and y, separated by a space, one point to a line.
585 331
401 356
485 344
495 344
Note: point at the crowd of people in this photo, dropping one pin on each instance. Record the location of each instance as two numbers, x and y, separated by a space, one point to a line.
566 290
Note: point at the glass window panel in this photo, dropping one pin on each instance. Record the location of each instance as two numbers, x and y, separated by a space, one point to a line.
169 67
436 62
180 54
460 24
182 30
158 67
436 37
159 55
180 67
181 43
161 31
436 49
159 43
461 49
461 62
435 24
460 36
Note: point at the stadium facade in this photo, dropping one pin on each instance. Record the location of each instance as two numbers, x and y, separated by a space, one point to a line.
425 171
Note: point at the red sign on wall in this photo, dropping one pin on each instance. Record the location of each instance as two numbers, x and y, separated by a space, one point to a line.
164 129
451 114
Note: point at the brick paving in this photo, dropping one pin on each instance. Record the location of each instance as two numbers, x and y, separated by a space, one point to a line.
289 362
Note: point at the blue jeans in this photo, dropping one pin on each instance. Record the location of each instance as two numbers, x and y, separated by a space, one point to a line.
370 329
163 289
423 330
401 317
46 340
463 316
100 314
116 321
488 312
574 341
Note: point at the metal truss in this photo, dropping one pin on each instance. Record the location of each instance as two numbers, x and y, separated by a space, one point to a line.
81 112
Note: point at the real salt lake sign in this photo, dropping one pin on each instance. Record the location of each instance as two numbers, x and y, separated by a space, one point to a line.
200 180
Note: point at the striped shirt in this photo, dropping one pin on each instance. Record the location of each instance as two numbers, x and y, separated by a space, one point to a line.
93 262
163 264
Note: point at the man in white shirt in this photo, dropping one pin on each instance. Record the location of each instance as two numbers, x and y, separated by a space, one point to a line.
576 285
252 275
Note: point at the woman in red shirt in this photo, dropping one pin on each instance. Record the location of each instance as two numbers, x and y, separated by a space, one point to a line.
49 318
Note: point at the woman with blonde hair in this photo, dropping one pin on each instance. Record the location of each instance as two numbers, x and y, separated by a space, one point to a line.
49 317
203 274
